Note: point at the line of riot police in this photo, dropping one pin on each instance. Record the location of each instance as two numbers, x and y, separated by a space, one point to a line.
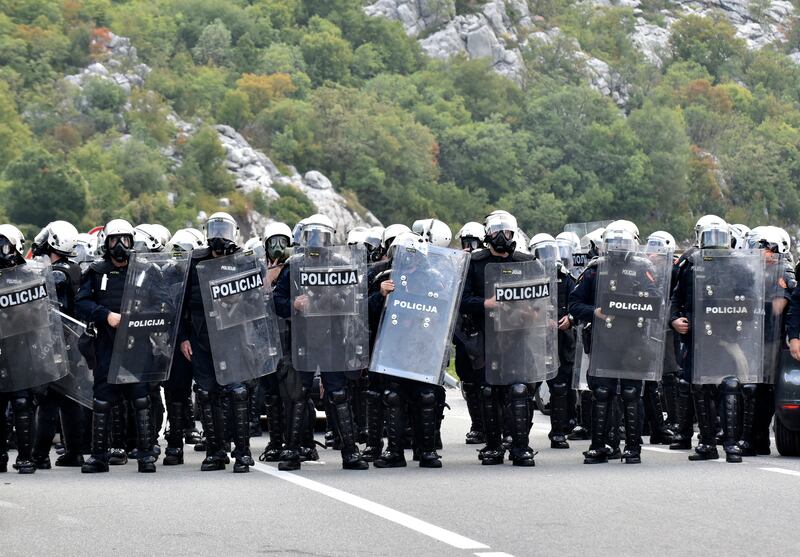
614 329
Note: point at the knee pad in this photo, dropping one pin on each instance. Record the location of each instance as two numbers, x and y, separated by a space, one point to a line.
101 406
601 394
630 394
339 396
730 385
749 389
239 393
518 390
142 403
373 395
559 389
669 380
203 396
487 391
427 398
21 404
392 398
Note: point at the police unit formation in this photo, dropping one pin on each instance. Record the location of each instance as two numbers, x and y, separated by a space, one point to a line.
107 338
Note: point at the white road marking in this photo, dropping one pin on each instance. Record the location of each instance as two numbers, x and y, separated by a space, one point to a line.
781 471
493 554
9 505
662 450
446 536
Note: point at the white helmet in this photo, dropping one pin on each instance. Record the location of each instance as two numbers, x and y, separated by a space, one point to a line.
252 243
13 235
502 231
660 240
544 247
186 239
390 233
407 240
767 237
147 238
318 231
297 231
433 231
739 236
277 229
472 230
375 236
357 236
786 240
592 243
619 237
85 247
714 233
117 228
623 224
60 236
221 225
569 238
703 221
522 241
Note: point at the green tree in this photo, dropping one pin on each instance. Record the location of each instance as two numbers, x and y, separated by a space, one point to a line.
202 168
327 55
14 134
214 45
710 42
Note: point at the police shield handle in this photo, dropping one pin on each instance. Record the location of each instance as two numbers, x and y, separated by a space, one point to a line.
794 348
681 325
301 302
387 287
113 319
186 350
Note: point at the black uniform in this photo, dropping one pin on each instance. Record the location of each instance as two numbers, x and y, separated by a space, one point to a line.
560 385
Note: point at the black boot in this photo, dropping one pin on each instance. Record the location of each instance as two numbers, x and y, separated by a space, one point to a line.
706 447
582 431
157 412
308 445
290 456
633 442
45 430
146 458
241 430
427 421
471 392
660 434
669 384
213 426
372 452
394 455
521 454
559 398
598 453
191 434
731 405
684 407
101 425
351 457
23 422
255 405
613 437
272 452
117 455
493 453
174 452
72 417
747 443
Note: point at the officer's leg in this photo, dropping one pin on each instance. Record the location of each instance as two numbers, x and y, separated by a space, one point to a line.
157 411
746 442
294 388
601 406
72 422
3 433
731 411
428 420
493 453
583 431
46 422
117 455
669 383
336 390
765 412
179 390
633 442
239 401
208 399
559 412
22 404
275 416
704 409
375 415
395 400
140 395
256 405
470 389
660 434
684 413
106 397
308 448
520 406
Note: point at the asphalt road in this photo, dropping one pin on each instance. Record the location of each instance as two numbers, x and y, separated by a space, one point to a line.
665 506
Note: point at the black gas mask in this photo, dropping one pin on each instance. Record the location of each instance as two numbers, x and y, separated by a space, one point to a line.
276 248
222 246
502 241
8 253
119 247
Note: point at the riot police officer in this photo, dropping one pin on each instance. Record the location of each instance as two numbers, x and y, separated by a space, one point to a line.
99 301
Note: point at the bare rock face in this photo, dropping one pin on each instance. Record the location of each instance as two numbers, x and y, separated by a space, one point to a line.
252 169
417 16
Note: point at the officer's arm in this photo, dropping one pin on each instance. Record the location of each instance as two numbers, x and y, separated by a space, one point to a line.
581 299
85 305
677 301
471 299
793 316
186 310
62 289
282 294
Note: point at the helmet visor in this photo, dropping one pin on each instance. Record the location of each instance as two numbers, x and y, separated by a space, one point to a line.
715 238
219 228
547 251
316 236
470 243
125 240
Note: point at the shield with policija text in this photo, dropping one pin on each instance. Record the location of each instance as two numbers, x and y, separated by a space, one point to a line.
629 327
329 309
519 323
32 350
240 316
150 310
78 384
416 327
728 316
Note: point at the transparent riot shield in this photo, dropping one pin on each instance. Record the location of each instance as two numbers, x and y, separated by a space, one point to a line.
240 316
581 367
32 348
728 318
775 300
151 309
329 309
628 338
78 384
418 319
519 328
